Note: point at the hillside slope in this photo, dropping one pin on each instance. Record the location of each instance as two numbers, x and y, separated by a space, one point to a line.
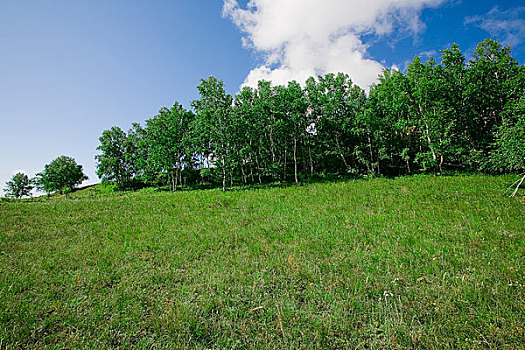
421 262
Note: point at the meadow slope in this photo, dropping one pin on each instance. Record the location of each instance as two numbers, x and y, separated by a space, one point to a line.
415 262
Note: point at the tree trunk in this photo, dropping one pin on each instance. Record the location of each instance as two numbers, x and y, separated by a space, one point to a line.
341 153
427 130
371 153
244 180
284 168
272 146
223 176
250 162
258 168
295 159
251 171
311 160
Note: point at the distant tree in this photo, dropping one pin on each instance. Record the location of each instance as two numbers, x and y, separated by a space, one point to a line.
337 104
114 163
426 108
493 81
19 186
165 139
291 105
247 135
134 152
267 119
455 113
509 152
212 127
392 138
63 173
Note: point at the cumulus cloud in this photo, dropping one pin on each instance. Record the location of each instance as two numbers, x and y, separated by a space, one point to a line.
303 38
507 26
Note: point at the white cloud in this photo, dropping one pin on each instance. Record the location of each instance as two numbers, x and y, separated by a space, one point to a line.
507 26
303 38
428 54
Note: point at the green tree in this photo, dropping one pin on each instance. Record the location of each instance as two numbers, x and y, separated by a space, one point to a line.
341 103
247 135
166 137
136 151
509 152
62 174
452 87
493 80
390 132
264 109
114 162
291 109
212 128
426 107
19 186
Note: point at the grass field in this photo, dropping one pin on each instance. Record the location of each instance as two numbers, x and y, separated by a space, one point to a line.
416 262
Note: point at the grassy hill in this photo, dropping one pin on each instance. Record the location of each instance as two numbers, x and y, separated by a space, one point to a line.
417 262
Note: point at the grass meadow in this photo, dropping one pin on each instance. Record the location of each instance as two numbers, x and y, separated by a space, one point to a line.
416 262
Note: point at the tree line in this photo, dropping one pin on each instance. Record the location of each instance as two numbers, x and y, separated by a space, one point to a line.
455 115
61 175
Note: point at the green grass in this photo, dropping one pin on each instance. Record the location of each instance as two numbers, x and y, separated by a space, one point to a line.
416 262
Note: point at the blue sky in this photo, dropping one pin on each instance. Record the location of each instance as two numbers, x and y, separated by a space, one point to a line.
71 69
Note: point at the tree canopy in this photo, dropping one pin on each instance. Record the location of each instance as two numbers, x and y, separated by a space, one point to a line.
62 174
19 186
114 163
